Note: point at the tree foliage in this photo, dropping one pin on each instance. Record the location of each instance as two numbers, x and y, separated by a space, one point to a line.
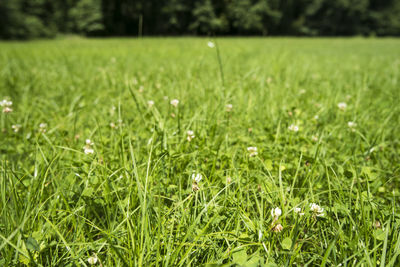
45 18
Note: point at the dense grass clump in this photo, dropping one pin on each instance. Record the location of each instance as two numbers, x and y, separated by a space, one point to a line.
254 152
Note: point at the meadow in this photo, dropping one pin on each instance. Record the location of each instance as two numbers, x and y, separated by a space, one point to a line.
200 152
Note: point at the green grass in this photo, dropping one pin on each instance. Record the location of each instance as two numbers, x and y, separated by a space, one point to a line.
132 203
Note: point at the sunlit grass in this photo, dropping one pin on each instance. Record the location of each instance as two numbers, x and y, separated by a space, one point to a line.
163 152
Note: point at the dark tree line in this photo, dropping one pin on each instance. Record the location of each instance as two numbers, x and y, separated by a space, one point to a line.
22 19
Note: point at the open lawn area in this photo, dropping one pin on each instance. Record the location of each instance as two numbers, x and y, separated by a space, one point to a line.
197 151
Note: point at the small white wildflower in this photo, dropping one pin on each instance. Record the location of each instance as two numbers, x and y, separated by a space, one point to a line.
89 142
314 138
92 260
298 211
228 107
6 104
342 105
112 125
42 127
302 91
197 177
276 213
150 103
174 102
316 209
211 44
316 117
190 135
351 124
252 151
16 127
87 149
293 128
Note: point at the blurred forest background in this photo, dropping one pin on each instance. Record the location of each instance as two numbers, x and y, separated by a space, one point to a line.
24 19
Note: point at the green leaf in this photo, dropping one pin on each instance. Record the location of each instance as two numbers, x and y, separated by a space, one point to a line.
32 244
87 192
287 243
269 264
268 164
379 234
240 257
255 261
24 260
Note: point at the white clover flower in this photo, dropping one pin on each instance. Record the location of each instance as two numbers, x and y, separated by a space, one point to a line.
298 211
89 142
293 128
228 107
92 260
211 44
16 127
197 177
87 149
150 103
342 105
42 127
316 210
6 104
190 135
174 102
351 124
252 151
276 213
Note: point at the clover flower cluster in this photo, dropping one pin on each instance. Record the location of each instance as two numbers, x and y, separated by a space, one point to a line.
316 211
6 105
88 149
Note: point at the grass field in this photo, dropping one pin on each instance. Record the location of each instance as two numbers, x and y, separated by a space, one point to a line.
293 158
